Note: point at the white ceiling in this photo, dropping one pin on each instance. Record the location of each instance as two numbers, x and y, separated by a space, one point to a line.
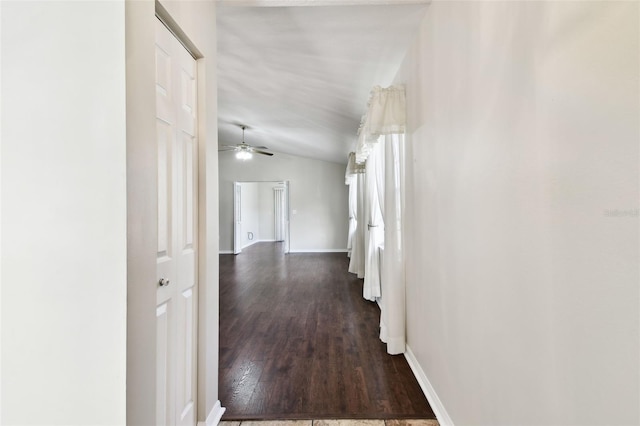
299 76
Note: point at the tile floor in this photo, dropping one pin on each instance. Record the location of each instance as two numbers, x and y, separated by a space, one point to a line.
404 422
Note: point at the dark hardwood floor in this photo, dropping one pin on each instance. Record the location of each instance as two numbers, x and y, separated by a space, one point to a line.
297 340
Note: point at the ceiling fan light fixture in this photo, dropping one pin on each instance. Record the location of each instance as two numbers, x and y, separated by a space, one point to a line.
243 155
243 150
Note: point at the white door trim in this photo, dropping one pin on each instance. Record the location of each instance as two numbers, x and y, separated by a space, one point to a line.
237 215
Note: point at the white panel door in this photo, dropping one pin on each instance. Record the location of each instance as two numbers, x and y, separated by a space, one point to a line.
177 231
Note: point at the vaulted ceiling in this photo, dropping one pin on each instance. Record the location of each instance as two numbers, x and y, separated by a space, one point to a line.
299 76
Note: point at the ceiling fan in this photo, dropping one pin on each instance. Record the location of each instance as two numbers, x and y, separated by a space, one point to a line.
243 150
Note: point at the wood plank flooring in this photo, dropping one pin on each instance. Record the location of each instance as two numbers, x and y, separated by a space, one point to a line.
332 422
298 341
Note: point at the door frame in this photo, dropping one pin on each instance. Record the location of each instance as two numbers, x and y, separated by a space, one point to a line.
194 25
237 214
237 217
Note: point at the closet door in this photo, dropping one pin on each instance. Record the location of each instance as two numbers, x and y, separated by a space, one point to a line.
176 301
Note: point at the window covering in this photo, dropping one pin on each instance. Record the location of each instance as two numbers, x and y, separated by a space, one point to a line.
386 115
375 175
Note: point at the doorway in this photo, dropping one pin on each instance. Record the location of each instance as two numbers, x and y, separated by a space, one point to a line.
260 214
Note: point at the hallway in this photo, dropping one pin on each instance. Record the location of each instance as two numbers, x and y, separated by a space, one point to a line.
298 341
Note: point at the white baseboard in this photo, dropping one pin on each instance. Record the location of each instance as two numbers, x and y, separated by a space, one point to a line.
436 405
214 415
225 251
318 251
252 242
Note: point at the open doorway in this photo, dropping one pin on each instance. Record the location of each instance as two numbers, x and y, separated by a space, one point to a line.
260 214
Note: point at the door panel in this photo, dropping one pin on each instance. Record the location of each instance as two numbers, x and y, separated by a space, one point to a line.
163 139
177 290
190 179
187 210
164 409
186 359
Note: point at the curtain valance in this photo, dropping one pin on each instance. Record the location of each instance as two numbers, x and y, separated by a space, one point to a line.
386 115
353 169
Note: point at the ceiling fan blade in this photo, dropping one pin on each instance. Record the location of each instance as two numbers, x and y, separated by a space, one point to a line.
229 146
257 151
261 147
223 149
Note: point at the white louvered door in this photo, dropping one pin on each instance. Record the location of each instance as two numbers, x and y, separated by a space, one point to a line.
278 213
176 304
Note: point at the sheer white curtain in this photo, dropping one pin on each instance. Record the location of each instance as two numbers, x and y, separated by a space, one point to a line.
357 263
374 235
353 207
351 181
393 303
380 146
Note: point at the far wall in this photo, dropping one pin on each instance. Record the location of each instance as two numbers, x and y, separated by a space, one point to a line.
317 195
257 212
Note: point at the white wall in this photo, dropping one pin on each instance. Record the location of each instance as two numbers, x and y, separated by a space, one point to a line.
250 213
522 290
317 192
257 212
64 276
267 214
72 270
